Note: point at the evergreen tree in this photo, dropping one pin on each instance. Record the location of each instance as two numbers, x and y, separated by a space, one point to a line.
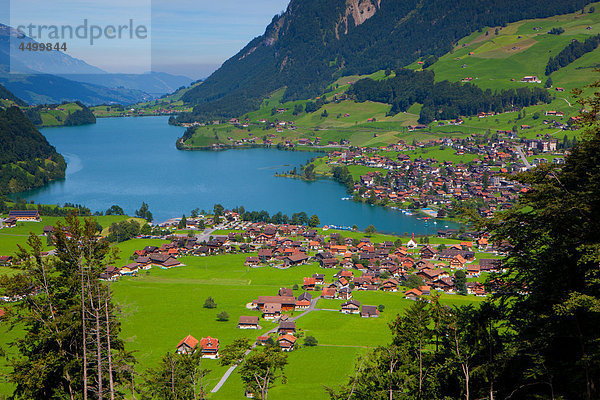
178 376
71 347
144 212
460 282
182 222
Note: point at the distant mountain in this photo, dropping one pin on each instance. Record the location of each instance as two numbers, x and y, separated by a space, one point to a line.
55 77
315 41
153 83
52 89
46 62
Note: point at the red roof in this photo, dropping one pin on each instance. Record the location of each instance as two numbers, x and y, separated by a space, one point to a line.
209 343
190 341
287 338
309 281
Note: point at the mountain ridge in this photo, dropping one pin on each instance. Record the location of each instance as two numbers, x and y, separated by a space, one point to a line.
304 49
55 77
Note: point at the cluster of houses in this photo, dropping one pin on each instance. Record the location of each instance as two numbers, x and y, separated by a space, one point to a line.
164 256
208 346
427 181
383 267
274 308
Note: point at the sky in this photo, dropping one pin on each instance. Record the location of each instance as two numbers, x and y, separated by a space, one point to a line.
182 37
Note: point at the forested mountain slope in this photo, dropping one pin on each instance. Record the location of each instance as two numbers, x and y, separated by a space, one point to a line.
315 41
27 160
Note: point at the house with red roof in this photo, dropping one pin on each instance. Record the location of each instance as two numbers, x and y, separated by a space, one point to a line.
309 283
210 347
413 294
328 293
187 345
287 342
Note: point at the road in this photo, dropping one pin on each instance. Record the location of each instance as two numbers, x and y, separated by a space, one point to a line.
567 102
205 235
525 161
229 371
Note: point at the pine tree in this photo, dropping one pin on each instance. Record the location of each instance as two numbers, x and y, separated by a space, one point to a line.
71 346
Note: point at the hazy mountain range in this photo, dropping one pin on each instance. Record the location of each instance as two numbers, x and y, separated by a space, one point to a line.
54 77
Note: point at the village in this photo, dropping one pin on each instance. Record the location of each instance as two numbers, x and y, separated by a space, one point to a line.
399 179
405 268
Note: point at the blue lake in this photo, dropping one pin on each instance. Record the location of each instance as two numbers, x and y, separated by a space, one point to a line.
126 161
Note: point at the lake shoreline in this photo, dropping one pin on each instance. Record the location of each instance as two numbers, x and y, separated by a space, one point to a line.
127 161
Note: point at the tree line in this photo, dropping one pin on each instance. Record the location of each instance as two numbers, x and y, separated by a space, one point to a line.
572 52
442 100
279 218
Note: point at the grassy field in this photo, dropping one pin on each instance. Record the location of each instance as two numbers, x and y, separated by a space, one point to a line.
160 307
164 306
496 55
10 237
56 116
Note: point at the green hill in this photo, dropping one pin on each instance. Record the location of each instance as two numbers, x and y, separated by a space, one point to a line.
65 114
499 57
490 61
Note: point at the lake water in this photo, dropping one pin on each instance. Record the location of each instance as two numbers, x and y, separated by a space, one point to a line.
126 161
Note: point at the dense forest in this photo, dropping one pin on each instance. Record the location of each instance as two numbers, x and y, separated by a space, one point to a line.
27 160
442 100
316 41
572 52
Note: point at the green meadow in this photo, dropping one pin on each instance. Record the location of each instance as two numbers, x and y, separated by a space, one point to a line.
10 237
163 306
57 116
160 307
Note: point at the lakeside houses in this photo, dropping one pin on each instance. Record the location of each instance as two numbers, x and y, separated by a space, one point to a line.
360 264
422 182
